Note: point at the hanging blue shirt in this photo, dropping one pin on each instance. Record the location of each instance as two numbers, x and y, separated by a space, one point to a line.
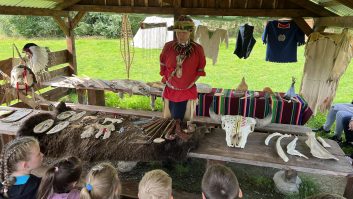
282 39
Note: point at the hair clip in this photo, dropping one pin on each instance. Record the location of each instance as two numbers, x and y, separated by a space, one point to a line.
89 187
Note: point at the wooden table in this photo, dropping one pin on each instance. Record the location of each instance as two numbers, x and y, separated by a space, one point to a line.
256 153
213 147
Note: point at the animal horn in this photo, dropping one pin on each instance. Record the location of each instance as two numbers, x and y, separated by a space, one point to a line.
216 117
265 121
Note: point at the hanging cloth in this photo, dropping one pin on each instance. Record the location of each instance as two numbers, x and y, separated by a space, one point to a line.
245 41
326 59
282 39
210 40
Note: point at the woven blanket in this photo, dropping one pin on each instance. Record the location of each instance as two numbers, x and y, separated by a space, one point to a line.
229 102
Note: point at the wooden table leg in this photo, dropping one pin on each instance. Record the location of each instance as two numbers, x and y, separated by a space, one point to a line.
96 97
348 193
81 96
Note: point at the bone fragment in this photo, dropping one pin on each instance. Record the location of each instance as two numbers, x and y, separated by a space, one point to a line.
316 149
323 142
267 141
291 148
112 120
279 149
88 132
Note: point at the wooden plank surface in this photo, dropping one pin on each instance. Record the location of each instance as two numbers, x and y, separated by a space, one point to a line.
11 128
214 147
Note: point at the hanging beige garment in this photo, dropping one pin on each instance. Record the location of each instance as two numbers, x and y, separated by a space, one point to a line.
210 40
327 57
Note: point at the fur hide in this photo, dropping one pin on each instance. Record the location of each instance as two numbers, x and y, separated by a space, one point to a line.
125 146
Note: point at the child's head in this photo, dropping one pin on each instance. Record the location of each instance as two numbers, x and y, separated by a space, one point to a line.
102 182
155 184
219 182
19 157
60 177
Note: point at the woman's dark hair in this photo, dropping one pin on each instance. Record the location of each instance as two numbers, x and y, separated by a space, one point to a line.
60 176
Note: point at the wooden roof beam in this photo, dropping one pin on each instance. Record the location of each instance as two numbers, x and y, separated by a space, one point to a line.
348 3
343 22
10 10
303 25
61 23
197 11
65 4
320 11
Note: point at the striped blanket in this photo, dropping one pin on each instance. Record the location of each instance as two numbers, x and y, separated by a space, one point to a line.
230 102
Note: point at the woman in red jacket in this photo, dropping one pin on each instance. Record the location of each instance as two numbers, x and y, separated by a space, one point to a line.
182 62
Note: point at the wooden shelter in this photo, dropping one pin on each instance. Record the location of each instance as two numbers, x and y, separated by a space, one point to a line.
68 13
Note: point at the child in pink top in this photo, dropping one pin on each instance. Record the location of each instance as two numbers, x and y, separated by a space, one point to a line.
60 180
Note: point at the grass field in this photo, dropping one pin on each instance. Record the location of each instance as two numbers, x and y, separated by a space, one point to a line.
100 58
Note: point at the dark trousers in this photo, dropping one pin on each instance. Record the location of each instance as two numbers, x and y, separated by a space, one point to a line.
348 133
177 109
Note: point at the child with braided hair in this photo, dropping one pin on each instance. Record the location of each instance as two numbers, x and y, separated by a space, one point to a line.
102 182
60 179
18 158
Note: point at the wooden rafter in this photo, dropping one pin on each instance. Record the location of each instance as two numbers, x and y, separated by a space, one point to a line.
303 25
9 10
77 19
348 3
65 4
320 11
197 11
62 25
344 22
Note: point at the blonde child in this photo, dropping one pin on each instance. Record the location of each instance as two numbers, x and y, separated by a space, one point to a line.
102 182
18 158
60 179
219 182
155 184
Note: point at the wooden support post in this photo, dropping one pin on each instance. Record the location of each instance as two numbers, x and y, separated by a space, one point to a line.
348 193
177 6
70 42
82 96
96 97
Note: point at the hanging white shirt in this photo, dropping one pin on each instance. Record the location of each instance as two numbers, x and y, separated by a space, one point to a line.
210 40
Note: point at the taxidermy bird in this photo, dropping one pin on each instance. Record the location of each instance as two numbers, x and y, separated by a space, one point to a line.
291 92
242 86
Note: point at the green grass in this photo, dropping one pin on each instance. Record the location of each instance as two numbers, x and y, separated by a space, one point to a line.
101 58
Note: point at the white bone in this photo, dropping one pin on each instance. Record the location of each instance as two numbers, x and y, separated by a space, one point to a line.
237 129
316 149
112 120
279 149
267 141
88 132
291 148
104 129
323 142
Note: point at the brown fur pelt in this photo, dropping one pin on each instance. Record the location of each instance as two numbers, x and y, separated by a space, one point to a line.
26 128
125 146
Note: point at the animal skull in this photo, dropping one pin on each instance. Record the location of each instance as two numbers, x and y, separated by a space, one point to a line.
237 129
